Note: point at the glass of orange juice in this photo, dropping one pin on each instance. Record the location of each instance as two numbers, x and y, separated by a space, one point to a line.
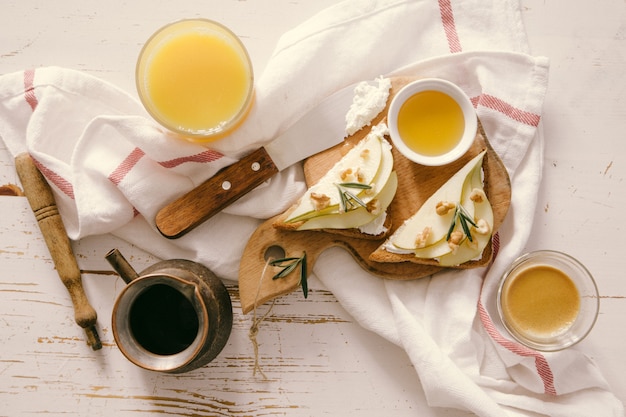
195 78
547 300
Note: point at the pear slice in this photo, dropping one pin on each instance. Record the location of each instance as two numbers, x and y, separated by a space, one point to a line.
441 247
358 217
482 212
405 237
371 158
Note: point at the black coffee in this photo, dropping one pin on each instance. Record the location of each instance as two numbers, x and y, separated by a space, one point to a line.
163 320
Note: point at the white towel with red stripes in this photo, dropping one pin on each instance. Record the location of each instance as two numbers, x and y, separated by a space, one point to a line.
112 168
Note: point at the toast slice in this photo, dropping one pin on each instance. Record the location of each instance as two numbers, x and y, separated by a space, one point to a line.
353 232
352 197
452 228
382 256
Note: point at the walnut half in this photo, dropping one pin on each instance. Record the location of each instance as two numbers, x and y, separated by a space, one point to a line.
443 207
374 207
455 240
478 195
420 240
320 201
482 227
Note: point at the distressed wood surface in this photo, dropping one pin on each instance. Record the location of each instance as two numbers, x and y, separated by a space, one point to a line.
41 201
317 360
307 350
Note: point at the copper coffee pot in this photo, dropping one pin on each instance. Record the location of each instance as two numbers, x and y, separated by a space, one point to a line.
175 316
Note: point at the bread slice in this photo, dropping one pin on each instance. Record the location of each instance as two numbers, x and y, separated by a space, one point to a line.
347 198
452 228
279 223
383 256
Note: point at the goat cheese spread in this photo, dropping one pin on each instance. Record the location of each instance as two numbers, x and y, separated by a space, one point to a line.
376 226
369 100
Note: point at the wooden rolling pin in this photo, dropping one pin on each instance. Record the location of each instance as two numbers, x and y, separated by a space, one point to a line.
41 200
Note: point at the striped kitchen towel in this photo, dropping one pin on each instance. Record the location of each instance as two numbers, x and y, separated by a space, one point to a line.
112 168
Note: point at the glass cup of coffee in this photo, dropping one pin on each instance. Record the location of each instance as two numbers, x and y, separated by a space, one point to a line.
547 300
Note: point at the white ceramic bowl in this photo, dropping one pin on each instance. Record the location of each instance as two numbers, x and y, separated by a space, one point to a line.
453 91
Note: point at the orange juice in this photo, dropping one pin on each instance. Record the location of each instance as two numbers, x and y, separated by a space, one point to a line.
431 123
540 302
195 78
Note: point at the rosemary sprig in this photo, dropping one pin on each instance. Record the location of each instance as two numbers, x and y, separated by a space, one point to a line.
463 217
289 265
349 200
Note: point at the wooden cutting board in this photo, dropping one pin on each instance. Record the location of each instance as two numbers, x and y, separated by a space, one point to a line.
415 184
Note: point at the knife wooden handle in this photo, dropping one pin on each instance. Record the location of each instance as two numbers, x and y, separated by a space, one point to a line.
42 202
216 193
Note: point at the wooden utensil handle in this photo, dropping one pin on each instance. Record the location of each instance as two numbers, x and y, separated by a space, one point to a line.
213 195
44 207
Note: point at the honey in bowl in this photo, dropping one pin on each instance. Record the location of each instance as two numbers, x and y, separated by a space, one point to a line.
431 123
548 300
195 78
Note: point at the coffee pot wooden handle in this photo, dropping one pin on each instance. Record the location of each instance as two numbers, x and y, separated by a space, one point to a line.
43 204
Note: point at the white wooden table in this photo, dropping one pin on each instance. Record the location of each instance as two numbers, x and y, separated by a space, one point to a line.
318 361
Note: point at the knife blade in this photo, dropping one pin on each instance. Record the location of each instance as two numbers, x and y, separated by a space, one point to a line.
319 129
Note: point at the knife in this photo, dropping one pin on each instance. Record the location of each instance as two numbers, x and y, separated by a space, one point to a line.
319 129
